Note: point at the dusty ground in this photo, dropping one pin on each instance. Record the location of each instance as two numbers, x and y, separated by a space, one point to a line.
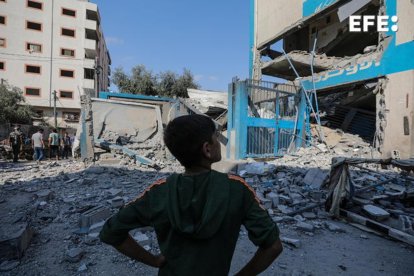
352 252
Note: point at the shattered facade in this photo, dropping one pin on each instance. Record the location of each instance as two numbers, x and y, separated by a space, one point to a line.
364 80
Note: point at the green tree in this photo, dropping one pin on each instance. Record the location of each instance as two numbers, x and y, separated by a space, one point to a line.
166 83
13 108
143 81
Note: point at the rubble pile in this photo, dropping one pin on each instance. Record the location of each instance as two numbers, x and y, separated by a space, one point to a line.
43 206
294 189
51 214
151 149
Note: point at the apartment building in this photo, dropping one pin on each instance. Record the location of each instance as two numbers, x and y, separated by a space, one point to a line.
53 47
364 79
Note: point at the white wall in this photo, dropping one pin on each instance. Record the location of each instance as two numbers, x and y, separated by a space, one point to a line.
273 16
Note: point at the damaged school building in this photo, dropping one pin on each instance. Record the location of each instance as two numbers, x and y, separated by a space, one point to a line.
363 81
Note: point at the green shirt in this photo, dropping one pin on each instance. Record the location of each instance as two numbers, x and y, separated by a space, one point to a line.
197 220
54 139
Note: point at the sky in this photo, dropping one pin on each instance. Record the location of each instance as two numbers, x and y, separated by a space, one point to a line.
210 38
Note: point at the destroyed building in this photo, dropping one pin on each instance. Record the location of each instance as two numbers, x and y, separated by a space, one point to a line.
364 81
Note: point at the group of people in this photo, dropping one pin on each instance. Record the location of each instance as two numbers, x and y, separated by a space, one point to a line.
57 146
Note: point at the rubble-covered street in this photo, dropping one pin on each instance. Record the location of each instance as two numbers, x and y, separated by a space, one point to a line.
51 215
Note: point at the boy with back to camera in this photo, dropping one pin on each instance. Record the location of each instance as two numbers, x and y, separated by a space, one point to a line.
196 215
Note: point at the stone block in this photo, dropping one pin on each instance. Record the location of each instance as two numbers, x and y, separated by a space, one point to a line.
315 178
267 204
274 198
14 240
110 162
406 224
117 202
309 215
142 239
115 192
74 255
44 195
95 169
296 243
333 227
96 228
284 209
285 199
305 227
92 216
376 212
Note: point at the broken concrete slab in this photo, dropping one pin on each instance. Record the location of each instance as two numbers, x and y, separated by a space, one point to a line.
115 192
82 268
376 212
117 202
95 169
296 243
274 198
309 215
406 224
15 241
74 255
142 239
96 227
110 162
333 227
284 209
267 204
8 265
92 216
305 227
45 195
314 178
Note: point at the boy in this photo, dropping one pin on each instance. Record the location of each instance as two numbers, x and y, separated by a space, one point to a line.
196 215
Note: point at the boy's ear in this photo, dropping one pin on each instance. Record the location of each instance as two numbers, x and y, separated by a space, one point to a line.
206 149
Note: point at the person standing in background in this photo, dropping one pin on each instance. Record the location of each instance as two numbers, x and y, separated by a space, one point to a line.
38 145
66 145
16 141
54 144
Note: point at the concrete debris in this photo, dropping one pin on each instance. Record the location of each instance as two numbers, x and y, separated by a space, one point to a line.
294 242
407 224
92 216
376 212
333 227
74 255
315 178
117 202
305 226
8 265
15 241
82 268
142 239
56 200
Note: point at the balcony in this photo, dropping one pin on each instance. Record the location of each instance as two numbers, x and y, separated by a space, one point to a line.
90 49
90 24
88 84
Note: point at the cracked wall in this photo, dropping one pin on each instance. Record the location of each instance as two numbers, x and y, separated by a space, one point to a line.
395 102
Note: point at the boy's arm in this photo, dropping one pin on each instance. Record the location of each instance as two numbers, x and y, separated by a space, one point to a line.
129 247
116 231
262 259
263 232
